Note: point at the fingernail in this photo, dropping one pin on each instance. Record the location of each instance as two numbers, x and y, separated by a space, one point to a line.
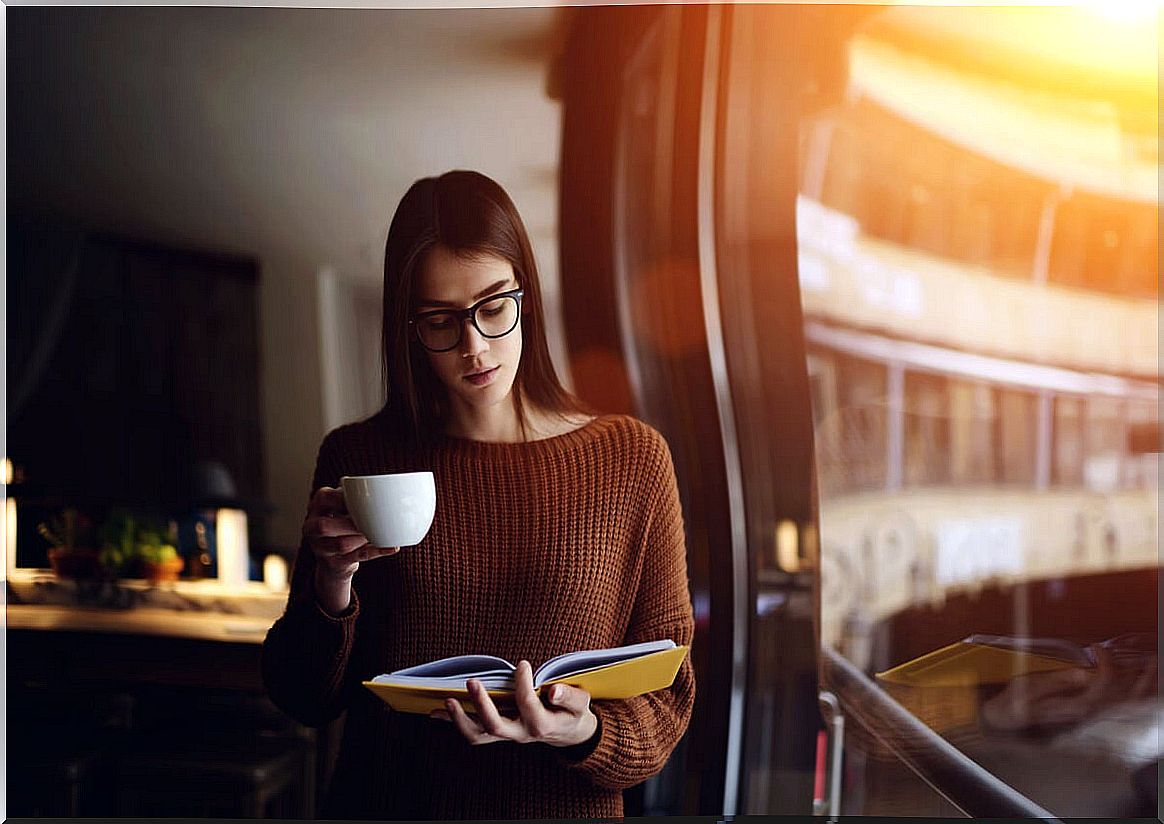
555 693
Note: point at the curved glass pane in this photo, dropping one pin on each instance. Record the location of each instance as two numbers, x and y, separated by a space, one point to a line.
978 266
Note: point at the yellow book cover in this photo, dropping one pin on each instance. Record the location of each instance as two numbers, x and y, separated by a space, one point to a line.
619 672
987 659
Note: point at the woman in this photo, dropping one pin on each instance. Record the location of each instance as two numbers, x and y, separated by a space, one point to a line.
555 530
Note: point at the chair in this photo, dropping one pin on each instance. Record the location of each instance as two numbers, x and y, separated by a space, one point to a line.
58 747
248 775
56 782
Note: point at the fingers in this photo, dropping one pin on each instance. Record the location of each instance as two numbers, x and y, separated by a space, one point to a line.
340 545
327 500
573 723
316 526
574 700
332 534
367 552
491 721
470 729
536 718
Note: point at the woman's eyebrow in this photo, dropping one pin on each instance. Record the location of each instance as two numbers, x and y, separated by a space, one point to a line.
486 291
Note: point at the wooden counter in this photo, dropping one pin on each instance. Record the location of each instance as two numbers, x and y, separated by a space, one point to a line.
75 648
141 621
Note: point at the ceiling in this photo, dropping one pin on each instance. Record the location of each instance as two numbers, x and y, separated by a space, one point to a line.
289 134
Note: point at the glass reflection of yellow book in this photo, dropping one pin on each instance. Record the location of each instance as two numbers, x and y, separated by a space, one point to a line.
988 659
620 672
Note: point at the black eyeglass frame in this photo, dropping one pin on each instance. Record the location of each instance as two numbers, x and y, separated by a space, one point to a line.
470 313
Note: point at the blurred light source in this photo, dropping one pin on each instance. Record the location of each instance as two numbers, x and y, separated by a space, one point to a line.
787 546
10 536
810 549
275 572
8 473
1125 11
233 549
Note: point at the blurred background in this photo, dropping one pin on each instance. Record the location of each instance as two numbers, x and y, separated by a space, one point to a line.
886 278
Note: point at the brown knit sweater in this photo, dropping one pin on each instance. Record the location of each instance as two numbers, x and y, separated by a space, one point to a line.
573 542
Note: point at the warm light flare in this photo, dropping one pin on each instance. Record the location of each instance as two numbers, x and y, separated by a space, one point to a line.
1110 9
10 536
1125 11
787 546
998 81
275 573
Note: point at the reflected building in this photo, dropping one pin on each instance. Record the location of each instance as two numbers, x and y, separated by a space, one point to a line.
981 318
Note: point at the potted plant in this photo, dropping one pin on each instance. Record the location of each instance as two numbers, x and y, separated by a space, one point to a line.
159 560
118 543
70 555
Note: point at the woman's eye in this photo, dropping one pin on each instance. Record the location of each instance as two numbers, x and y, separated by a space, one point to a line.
442 322
493 311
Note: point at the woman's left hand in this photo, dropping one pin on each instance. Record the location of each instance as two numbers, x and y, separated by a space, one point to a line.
567 722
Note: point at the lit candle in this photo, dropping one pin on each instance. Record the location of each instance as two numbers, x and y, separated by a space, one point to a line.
275 572
787 546
230 532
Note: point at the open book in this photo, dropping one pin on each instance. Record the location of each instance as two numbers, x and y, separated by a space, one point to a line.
989 659
619 672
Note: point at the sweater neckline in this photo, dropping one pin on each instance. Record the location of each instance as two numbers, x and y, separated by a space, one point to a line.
555 443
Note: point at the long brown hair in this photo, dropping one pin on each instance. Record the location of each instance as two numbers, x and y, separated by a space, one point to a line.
468 214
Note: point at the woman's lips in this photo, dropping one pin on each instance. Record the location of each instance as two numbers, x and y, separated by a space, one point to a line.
483 378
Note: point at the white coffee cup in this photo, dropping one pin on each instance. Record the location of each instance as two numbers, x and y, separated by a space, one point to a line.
391 510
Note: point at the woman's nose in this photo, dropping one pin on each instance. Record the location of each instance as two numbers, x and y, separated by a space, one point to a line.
472 342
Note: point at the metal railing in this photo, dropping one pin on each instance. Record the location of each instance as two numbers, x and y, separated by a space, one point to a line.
956 777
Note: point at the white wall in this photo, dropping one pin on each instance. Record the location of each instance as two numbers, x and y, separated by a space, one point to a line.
314 349
287 134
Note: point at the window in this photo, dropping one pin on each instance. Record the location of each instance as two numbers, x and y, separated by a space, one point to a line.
927 431
1106 246
1018 436
935 197
973 424
850 410
978 481
1069 444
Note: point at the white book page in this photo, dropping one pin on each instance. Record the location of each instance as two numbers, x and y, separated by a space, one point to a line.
573 663
446 671
490 680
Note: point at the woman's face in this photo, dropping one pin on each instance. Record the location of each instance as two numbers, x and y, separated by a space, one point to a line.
479 371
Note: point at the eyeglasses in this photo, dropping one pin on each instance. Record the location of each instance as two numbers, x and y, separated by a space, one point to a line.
494 317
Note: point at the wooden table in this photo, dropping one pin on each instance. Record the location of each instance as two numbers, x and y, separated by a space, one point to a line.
81 649
91 646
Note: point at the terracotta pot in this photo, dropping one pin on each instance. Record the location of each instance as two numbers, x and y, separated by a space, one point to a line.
81 564
165 571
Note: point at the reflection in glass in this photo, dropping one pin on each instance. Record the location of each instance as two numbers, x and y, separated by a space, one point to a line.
981 316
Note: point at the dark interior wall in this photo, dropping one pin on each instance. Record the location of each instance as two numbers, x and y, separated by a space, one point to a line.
127 364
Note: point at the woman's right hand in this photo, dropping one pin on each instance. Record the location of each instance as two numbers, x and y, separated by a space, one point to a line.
338 547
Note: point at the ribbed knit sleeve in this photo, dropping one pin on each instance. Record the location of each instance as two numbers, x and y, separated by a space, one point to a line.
637 735
306 651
